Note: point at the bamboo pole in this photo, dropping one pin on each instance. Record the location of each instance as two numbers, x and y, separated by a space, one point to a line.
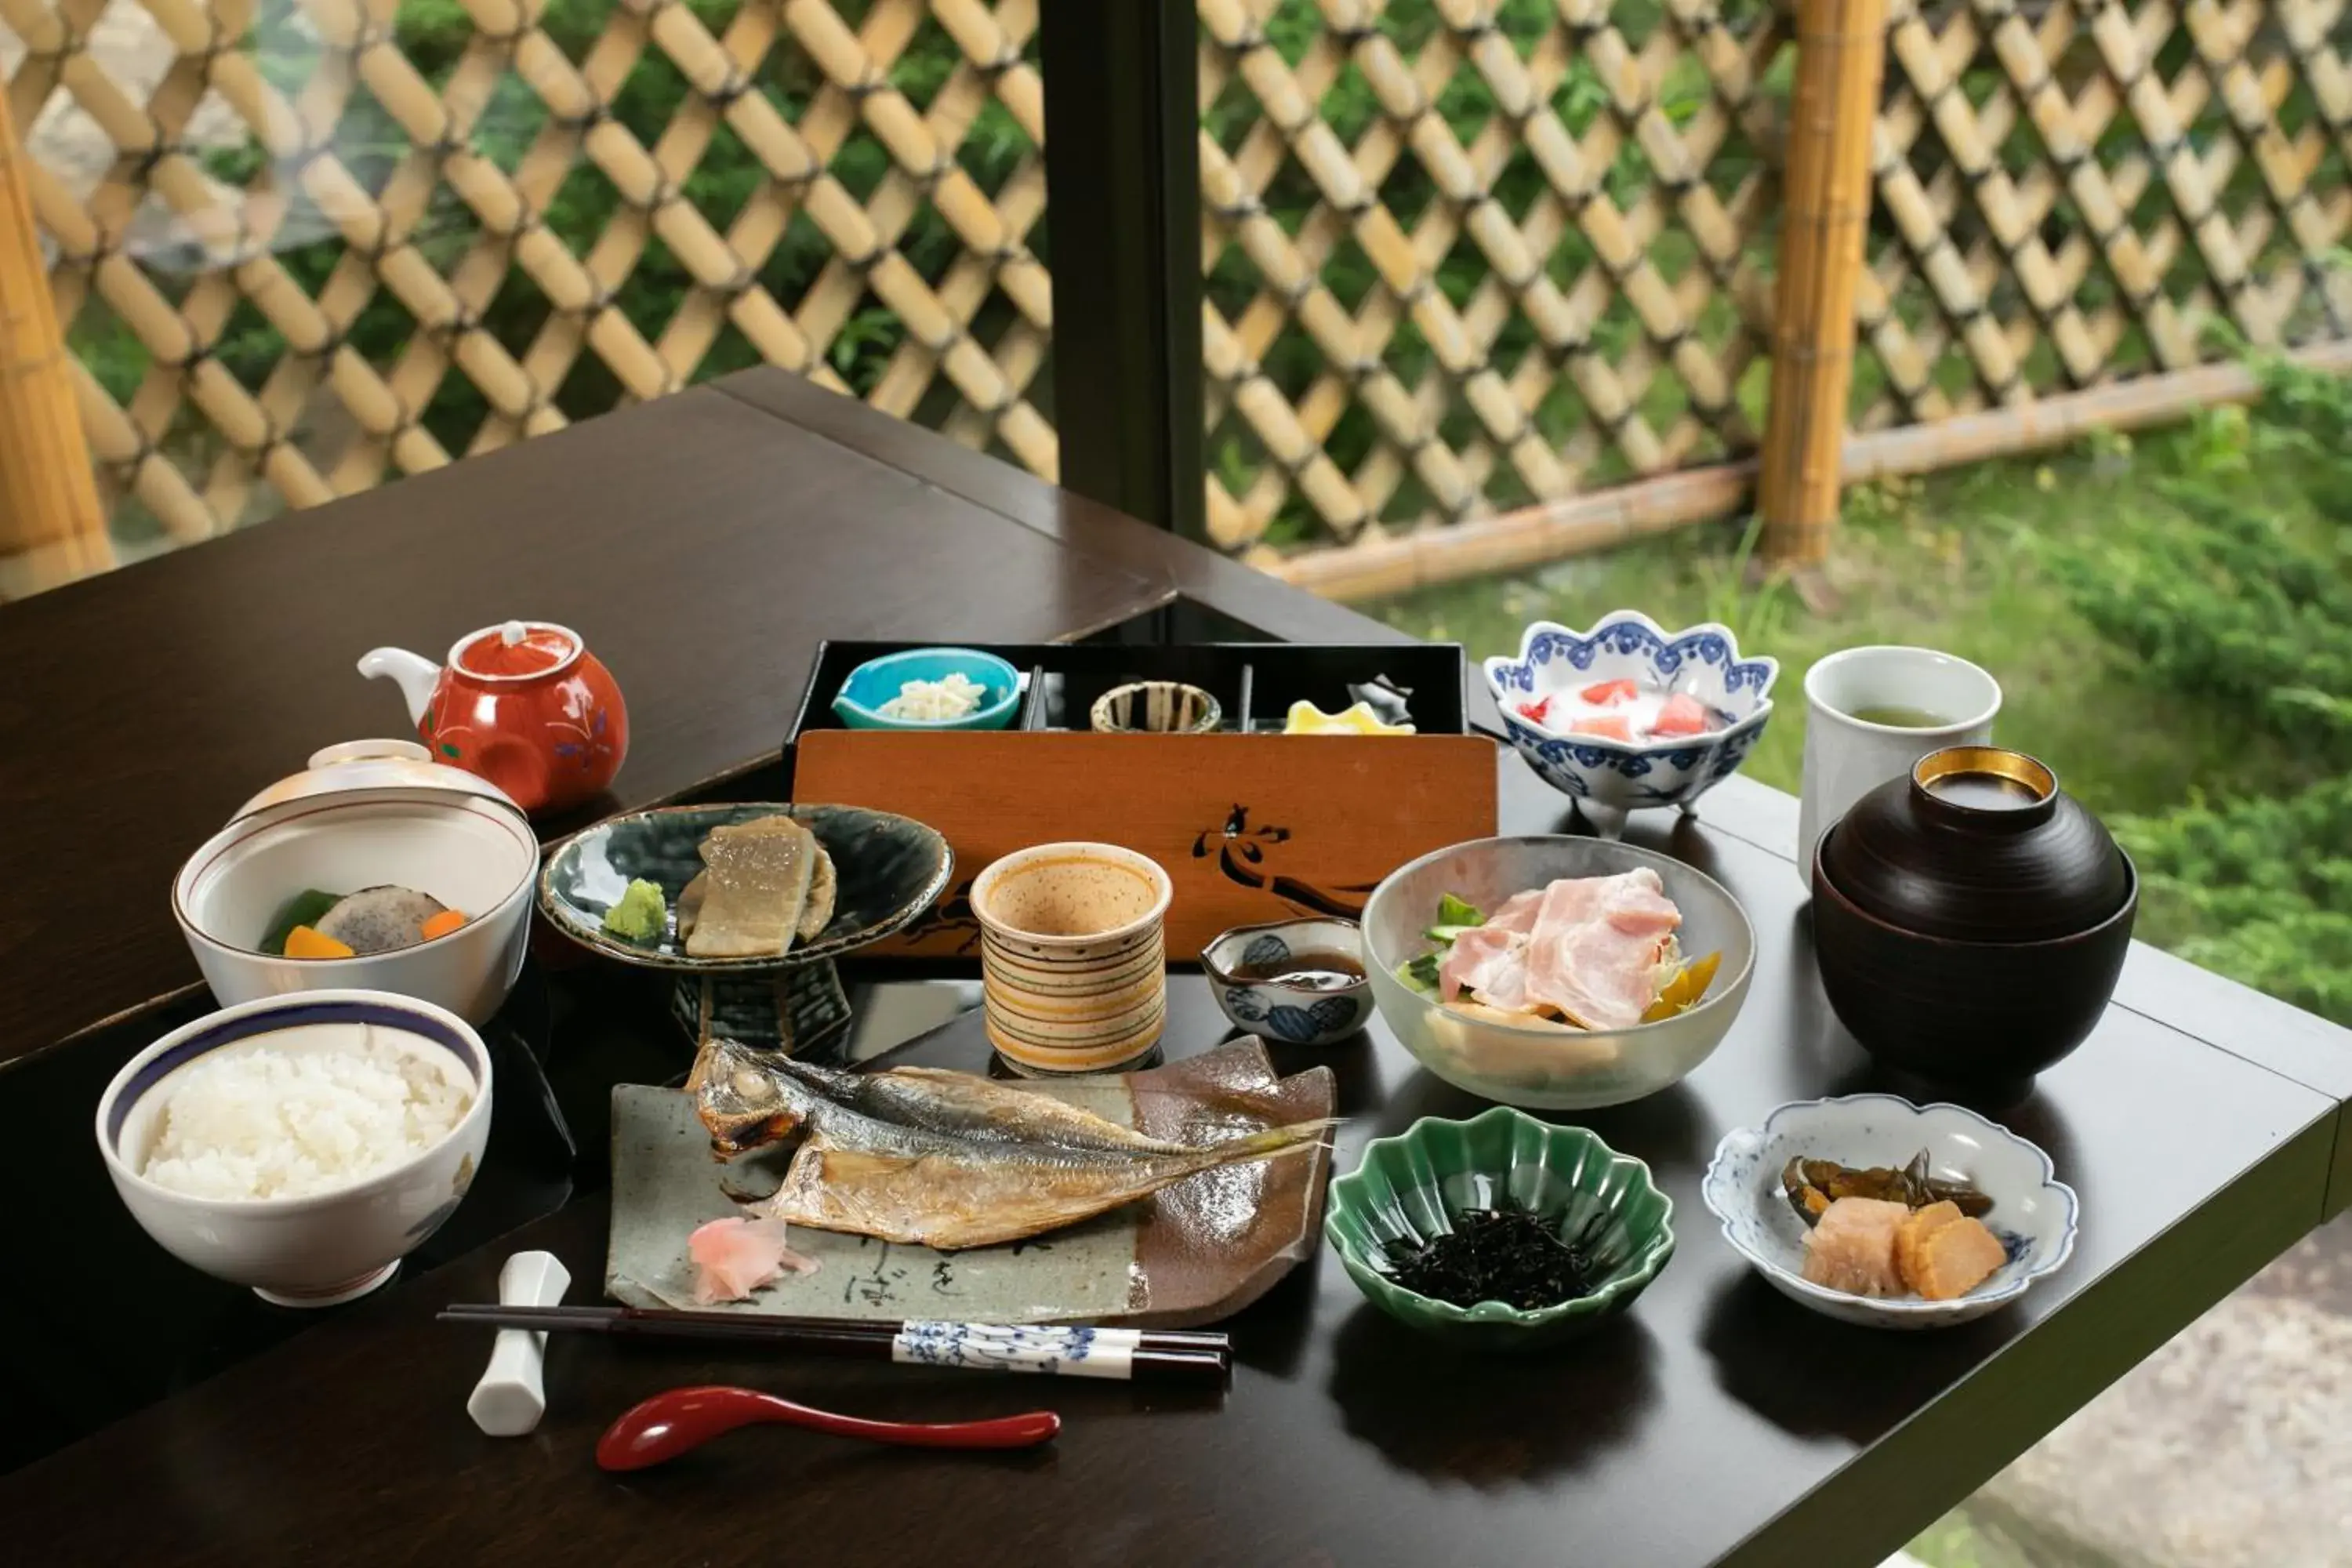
1840 48
1551 530
52 529
1548 531
2131 404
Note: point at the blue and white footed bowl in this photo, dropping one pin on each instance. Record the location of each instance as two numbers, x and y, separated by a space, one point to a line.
2032 1212
328 1247
1609 778
1299 1015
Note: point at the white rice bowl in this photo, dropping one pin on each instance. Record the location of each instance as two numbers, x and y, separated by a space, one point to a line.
301 1144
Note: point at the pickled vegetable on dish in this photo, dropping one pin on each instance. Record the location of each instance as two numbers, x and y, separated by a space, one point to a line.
1882 1247
1878 1231
1945 1254
1853 1247
1811 1185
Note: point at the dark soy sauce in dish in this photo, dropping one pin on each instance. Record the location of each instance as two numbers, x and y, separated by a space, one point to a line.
1306 971
1984 792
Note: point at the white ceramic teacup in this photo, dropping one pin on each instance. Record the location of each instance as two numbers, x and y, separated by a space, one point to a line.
1847 757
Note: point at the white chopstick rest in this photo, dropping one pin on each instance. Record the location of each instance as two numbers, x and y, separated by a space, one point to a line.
1009 1347
510 1399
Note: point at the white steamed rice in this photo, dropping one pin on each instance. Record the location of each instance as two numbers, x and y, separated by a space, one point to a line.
258 1122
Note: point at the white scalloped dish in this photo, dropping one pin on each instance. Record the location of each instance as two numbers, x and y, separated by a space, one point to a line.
2034 1214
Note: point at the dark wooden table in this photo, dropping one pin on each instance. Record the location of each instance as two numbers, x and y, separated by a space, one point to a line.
2202 1125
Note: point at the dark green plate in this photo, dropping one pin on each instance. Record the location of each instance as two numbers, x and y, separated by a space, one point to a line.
1408 1188
891 869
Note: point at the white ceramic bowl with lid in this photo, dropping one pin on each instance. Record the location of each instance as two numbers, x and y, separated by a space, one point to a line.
365 814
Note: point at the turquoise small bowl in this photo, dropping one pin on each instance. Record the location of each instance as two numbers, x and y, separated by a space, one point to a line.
1408 1188
877 680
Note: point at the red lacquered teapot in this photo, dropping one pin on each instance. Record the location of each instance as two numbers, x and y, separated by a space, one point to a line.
524 704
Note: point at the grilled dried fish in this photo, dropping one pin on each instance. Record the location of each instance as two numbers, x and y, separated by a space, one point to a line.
964 1105
1811 1185
977 1195
922 1158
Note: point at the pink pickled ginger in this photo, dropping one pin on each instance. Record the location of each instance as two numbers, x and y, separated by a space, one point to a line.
734 1256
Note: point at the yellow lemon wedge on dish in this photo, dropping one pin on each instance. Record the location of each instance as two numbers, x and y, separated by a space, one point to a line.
1306 719
1683 992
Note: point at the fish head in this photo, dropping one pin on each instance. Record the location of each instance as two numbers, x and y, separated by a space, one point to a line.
743 1099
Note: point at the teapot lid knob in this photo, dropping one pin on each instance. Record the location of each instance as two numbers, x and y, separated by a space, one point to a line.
513 632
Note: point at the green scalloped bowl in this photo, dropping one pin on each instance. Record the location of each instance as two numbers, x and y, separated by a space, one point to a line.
1407 1188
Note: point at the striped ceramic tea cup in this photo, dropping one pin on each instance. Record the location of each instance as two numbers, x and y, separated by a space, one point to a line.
1072 960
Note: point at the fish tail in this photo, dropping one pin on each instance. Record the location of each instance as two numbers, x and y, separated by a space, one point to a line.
1275 1140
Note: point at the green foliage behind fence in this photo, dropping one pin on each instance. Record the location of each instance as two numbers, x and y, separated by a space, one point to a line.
2225 605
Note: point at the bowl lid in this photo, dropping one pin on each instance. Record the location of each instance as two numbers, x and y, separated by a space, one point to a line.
353 765
1977 844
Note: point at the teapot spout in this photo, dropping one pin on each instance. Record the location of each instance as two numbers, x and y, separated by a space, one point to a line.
416 676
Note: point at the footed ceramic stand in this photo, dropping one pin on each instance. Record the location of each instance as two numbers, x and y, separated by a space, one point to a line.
1609 821
800 1010
1606 821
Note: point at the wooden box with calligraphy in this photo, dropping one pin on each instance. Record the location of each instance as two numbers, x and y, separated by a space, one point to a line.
1252 824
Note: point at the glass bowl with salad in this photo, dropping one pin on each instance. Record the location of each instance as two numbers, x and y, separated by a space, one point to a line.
1557 972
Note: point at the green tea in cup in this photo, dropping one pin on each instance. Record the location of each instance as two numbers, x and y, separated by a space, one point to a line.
1894 716
1870 712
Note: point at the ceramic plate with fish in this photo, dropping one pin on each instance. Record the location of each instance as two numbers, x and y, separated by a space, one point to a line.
1193 1251
2031 1212
879 871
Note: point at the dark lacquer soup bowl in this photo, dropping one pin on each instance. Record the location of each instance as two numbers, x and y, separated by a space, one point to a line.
1913 890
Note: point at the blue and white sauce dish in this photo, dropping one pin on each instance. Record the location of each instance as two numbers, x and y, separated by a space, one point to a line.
1606 777
335 1243
1298 980
878 681
2034 1214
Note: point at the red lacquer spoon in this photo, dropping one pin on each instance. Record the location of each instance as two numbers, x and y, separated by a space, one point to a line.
670 1424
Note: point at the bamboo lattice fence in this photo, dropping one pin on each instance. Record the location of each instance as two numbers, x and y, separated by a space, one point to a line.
1482 268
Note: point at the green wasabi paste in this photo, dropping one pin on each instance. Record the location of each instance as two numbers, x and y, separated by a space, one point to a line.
641 913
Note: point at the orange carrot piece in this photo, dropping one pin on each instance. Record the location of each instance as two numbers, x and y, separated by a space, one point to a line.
307 941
